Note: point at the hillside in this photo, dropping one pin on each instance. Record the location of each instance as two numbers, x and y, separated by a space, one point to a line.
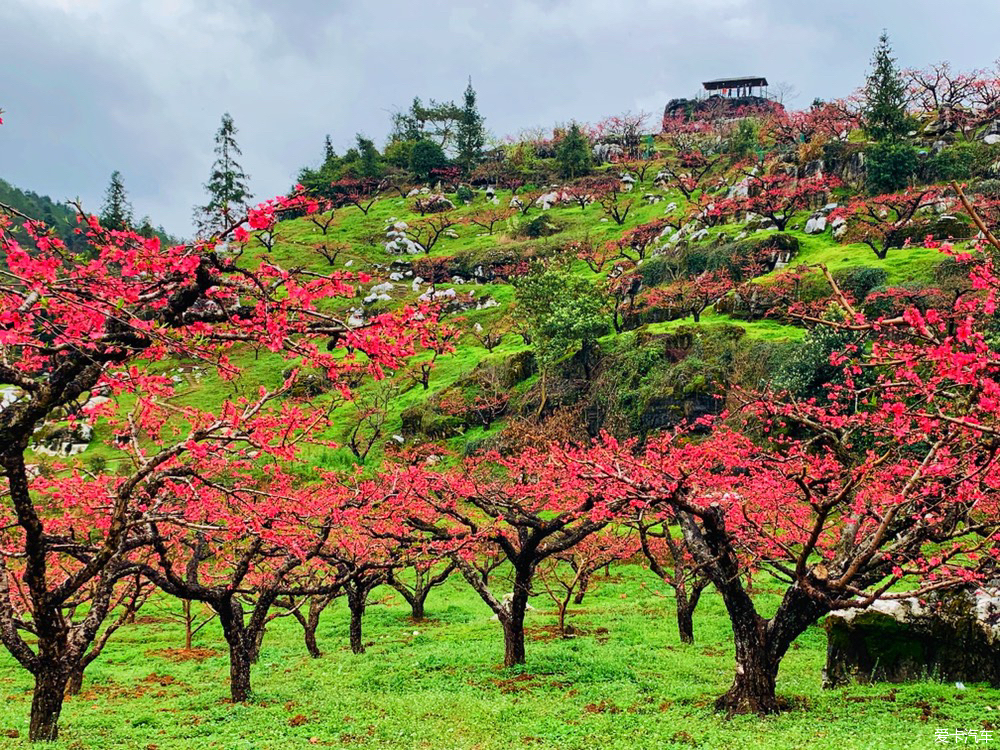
704 413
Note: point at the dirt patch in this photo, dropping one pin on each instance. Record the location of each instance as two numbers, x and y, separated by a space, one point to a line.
684 738
184 654
518 684
159 679
150 620
604 707
298 720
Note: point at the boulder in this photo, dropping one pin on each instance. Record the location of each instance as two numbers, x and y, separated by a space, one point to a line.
816 225
950 636
62 441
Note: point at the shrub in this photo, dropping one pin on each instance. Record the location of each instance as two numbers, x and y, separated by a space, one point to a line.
988 189
656 270
540 226
860 280
426 156
398 153
464 194
890 166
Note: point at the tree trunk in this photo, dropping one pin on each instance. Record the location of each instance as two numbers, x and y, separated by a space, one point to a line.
753 687
75 683
239 671
240 648
310 636
582 591
417 606
513 641
685 618
356 603
46 704
513 623
188 623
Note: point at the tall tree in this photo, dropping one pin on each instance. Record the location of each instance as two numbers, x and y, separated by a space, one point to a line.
116 212
368 157
471 136
228 192
884 113
573 153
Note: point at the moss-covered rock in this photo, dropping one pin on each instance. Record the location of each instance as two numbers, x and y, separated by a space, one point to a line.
950 637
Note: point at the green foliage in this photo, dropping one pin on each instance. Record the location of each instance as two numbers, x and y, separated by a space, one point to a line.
368 158
891 165
657 270
538 226
397 154
116 212
59 216
961 161
884 114
573 153
464 194
743 141
860 280
227 187
471 136
425 156
806 372
564 311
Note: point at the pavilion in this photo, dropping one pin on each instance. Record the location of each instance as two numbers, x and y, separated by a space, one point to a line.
738 87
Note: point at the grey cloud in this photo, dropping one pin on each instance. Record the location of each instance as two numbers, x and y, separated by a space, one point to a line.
95 85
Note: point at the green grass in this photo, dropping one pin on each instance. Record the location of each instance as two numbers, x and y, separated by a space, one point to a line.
437 685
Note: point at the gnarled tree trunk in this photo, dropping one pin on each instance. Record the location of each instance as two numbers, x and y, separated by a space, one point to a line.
513 618
356 602
242 647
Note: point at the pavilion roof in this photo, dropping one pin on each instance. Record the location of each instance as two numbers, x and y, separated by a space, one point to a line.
732 83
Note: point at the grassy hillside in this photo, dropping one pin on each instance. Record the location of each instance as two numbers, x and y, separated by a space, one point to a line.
359 240
625 681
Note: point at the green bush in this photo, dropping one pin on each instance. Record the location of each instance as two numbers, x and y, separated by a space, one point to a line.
989 188
464 194
656 270
426 156
963 161
540 226
860 280
398 153
890 166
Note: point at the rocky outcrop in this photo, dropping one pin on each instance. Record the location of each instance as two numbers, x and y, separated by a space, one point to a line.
951 636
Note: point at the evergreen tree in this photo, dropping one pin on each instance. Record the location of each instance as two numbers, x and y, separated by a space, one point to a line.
329 155
573 153
884 113
228 193
368 157
116 212
470 137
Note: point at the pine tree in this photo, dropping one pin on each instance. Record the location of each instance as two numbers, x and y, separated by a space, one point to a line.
116 212
228 193
329 155
573 153
470 137
884 113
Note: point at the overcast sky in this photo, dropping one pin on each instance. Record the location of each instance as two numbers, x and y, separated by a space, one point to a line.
90 86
